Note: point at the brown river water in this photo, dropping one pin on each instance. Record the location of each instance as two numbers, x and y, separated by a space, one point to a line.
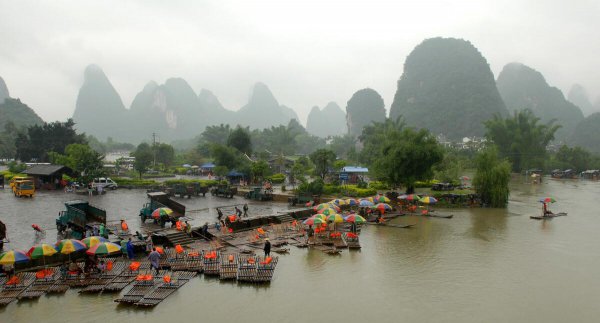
483 265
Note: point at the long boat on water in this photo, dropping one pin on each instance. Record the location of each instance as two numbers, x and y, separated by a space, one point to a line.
548 216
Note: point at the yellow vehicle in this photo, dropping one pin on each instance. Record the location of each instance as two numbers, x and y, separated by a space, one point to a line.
23 188
18 178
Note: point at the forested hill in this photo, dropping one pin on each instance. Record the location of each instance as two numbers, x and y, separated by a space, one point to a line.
587 133
447 87
3 91
15 111
522 87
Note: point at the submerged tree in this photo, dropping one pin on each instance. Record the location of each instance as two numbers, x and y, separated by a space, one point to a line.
406 156
492 177
521 138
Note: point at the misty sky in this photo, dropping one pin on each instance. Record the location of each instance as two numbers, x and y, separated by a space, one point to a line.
307 52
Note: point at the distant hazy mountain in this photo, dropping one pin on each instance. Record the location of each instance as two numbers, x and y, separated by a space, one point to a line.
331 121
3 91
587 133
579 96
99 110
263 110
171 110
364 107
447 87
19 113
214 110
522 87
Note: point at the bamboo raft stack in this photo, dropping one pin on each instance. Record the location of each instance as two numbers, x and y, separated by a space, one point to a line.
194 262
265 271
98 284
141 288
10 293
124 278
210 265
246 268
229 266
41 285
353 242
165 289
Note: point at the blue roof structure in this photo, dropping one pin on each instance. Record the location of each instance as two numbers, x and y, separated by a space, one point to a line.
235 173
355 169
208 165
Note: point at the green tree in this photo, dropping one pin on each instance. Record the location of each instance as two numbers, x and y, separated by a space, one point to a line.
82 159
521 139
299 170
39 140
258 170
225 156
220 171
407 156
323 160
240 139
492 178
143 158
575 158
165 154
216 134
376 133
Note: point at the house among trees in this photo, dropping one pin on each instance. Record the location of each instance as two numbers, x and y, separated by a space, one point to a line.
353 174
48 176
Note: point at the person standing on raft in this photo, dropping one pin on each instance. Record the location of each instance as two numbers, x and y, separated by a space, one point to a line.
267 247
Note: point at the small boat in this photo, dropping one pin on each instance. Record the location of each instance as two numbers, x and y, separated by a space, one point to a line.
548 216
401 226
443 216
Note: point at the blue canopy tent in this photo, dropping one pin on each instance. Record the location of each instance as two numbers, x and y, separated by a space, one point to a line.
234 176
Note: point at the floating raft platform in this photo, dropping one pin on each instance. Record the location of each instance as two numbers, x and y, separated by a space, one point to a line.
211 265
229 266
165 289
10 293
40 286
97 285
255 270
546 217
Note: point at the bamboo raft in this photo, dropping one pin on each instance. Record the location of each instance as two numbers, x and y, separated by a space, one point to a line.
164 290
353 243
210 266
98 284
257 271
40 286
124 278
229 266
10 293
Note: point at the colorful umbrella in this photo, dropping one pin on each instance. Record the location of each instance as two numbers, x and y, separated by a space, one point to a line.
41 250
365 203
547 200
13 256
355 218
428 200
381 199
104 248
382 207
335 218
93 240
322 206
161 212
352 202
338 202
314 221
309 203
320 216
68 246
409 197
327 211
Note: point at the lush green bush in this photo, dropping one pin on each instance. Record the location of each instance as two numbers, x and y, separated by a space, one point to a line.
348 190
277 178
376 185
429 183
135 182
315 187
8 175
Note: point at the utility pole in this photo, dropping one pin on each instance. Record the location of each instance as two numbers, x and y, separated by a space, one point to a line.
154 149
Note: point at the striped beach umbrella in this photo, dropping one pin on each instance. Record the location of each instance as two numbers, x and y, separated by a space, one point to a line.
409 197
338 202
67 246
355 218
41 250
313 221
104 248
365 203
382 207
13 256
320 216
547 200
93 240
428 200
327 211
161 212
381 199
335 218
352 202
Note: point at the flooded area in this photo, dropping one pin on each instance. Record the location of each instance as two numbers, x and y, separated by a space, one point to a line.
483 265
